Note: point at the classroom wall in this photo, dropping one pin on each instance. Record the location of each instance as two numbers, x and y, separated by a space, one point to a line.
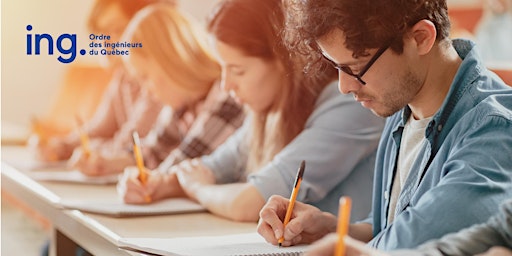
463 3
30 83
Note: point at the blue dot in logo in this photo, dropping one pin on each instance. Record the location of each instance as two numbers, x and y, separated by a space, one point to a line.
29 27
82 52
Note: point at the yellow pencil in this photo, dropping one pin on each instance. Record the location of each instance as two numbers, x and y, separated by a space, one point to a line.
42 135
83 138
137 152
293 197
38 130
343 223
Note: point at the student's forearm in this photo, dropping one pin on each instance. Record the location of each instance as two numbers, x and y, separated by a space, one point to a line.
103 123
116 163
236 201
361 231
170 187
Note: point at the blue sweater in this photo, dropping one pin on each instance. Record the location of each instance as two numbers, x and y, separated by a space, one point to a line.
338 142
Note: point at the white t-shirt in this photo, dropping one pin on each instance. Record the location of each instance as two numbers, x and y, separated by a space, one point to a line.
412 140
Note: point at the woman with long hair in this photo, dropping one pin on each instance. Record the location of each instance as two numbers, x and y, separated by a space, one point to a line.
173 63
292 116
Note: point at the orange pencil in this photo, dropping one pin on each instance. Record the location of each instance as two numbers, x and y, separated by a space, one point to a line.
343 222
38 130
43 135
137 152
293 197
83 138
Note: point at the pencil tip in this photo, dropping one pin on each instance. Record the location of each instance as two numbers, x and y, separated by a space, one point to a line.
279 244
301 168
135 137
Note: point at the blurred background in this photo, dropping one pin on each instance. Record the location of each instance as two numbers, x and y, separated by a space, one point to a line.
31 85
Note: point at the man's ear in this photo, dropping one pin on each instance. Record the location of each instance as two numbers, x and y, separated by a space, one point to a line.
423 33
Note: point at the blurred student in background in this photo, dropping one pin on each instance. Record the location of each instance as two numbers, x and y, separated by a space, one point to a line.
494 31
293 116
175 65
125 106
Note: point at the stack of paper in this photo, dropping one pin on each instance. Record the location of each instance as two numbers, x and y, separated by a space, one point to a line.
239 244
121 209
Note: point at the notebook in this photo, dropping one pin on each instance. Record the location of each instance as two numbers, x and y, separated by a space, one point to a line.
73 176
238 244
120 209
32 164
59 172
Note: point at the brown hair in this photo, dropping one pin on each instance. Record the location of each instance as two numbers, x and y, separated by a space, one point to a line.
255 28
367 24
176 44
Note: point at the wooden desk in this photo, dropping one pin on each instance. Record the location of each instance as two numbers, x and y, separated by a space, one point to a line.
96 233
14 134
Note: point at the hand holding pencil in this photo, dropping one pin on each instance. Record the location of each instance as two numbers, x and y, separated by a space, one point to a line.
293 197
81 157
304 225
48 147
84 138
137 152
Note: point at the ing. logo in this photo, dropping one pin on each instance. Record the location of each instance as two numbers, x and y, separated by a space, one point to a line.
34 45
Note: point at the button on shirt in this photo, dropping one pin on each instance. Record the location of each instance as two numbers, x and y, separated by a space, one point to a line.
461 174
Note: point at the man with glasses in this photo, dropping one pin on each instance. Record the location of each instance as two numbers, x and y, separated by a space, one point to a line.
443 161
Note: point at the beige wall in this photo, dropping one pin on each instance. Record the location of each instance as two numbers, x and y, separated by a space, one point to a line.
461 3
198 8
30 83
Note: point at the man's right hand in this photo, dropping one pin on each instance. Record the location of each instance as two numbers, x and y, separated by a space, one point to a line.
306 225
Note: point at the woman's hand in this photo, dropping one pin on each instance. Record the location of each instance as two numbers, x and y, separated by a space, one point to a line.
133 191
193 175
52 149
158 186
97 163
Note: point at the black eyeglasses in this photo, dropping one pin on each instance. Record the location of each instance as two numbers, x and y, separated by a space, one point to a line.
359 76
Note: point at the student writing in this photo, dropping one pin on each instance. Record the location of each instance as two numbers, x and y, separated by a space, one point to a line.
443 159
292 116
124 106
198 116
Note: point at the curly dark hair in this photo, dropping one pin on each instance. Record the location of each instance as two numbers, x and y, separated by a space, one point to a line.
367 24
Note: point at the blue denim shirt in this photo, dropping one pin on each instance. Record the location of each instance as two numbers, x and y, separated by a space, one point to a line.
462 173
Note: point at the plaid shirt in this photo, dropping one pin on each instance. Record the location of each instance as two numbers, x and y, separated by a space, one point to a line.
181 135
125 107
